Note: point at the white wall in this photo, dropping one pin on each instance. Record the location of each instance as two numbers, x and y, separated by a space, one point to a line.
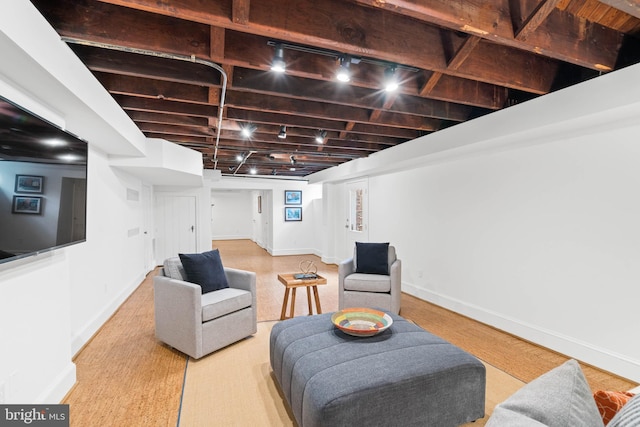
51 304
296 237
35 362
232 215
542 242
111 264
282 237
535 232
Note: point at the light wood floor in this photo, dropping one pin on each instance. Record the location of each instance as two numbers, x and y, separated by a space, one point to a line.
127 378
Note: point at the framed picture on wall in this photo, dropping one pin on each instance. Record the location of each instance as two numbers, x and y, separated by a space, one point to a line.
29 184
27 205
292 214
292 197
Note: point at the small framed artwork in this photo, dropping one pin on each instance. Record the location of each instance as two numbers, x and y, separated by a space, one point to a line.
27 205
292 197
292 214
29 184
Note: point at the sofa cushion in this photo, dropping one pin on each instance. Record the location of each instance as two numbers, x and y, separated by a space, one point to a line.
173 269
559 398
610 402
224 301
205 269
367 283
372 258
629 415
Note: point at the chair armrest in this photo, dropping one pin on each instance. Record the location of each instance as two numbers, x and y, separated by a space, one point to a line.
178 312
396 285
345 268
241 279
246 280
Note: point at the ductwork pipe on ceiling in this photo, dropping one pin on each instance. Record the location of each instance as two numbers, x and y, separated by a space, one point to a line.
177 57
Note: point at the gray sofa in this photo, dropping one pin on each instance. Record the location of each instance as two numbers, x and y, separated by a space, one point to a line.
559 398
198 324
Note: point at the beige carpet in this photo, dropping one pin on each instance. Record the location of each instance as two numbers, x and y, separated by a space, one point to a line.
235 387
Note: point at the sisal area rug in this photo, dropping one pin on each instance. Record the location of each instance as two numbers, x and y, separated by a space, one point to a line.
235 387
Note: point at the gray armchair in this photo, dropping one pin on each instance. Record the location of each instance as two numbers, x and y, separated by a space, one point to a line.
198 324
370 290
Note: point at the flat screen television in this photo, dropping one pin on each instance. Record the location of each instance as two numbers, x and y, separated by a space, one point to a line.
43 185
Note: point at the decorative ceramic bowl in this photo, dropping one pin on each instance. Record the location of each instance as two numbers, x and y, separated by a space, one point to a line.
361 322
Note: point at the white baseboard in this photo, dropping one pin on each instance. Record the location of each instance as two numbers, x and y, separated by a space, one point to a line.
331 260
80 338
60 387
296 251
230 237
602 358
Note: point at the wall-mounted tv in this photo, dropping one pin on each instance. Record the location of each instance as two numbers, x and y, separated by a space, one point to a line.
43 185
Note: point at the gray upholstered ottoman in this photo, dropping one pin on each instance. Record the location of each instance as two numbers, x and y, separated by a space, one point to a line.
404 376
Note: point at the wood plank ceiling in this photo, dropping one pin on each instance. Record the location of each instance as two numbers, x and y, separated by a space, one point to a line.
455 61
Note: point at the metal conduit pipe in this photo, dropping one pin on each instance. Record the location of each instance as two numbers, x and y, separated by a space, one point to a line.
185 58
243 161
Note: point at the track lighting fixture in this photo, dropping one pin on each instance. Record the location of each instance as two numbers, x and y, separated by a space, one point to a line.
239 157
293 160
248 130
278 65
321 136
344 73
283 132
253 170
390 79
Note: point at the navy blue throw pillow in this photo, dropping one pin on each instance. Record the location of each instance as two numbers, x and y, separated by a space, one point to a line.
372 258
205 269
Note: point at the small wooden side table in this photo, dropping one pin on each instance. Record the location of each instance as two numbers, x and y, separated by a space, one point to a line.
291 283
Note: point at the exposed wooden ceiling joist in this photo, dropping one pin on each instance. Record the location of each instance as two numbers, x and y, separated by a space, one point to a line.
455 61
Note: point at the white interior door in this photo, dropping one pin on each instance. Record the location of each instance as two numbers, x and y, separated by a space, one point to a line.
175 225
357 215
